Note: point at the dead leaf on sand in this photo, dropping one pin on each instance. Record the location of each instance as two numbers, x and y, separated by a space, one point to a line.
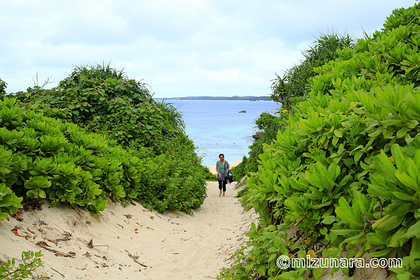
15 231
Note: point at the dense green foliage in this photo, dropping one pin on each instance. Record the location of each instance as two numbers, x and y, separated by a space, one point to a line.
42 157
140 151
30 261
345 168
239 170
209 176
102 99
268 126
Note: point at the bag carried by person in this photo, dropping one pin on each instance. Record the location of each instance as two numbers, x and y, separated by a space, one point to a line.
221 177
230 177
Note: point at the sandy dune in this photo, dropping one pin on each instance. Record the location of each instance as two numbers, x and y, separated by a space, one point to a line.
131 242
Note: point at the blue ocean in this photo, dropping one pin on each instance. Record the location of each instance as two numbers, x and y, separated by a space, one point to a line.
216 126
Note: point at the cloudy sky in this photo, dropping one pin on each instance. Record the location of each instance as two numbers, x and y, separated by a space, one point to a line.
178 47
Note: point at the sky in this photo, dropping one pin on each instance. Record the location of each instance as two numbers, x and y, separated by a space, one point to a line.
177 47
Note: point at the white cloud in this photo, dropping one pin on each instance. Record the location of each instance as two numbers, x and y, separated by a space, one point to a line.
179 47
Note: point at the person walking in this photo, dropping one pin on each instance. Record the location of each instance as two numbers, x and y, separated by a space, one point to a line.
222 168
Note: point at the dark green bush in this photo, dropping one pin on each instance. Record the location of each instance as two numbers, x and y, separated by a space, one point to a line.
345 169
268 126
208 175
101 99
239 170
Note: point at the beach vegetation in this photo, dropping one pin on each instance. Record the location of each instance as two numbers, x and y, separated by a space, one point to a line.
26 269
344 170
97 136
289 90
102 99
293 86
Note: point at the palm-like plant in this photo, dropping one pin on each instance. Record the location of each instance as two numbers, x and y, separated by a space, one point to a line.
172 115
294 82
98 71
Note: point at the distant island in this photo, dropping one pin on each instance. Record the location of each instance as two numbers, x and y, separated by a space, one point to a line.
235 97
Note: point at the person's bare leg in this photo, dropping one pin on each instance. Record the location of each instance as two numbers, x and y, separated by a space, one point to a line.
220 193
223 193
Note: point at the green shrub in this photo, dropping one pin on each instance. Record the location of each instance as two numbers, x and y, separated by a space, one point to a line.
41 157
290 89
174 180
30 262
102 99
156 162
9 202
268 126
345 170
208 175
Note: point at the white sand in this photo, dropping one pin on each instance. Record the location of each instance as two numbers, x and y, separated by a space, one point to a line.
171 246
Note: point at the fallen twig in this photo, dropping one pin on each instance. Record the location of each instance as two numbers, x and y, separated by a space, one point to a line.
44 245
58 272
58 239
135 258
366 219
186 239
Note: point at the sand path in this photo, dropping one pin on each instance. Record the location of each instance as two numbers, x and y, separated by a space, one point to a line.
132 242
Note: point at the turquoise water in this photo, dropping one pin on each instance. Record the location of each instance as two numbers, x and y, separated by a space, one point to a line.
216 127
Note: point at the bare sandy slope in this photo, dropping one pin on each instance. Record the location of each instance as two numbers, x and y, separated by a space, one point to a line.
131 242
